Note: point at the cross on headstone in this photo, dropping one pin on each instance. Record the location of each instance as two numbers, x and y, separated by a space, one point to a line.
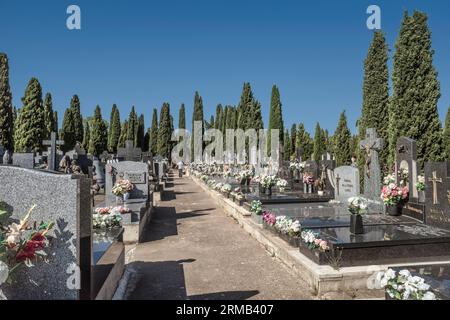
337 184
435 180
129 153
372 173
52 145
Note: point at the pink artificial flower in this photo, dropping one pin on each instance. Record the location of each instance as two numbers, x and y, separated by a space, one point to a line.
317 242
323 245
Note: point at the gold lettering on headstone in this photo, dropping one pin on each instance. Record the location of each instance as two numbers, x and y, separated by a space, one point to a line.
435 180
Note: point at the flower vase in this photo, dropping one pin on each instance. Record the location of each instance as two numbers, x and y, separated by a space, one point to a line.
243 182
269 191
126 197
305 188
421 196
310 188
395 210
262 190
248 181
356 224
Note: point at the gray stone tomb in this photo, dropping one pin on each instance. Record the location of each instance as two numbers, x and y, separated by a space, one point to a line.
23 160
437 199
345 182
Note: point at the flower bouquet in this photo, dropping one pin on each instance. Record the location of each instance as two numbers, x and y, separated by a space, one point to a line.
308 182
21 243
122 189
313 242
288 229
256 207
357 207
394 196
267 182
420 186
106 221
268 220
282 184
226 189
404 286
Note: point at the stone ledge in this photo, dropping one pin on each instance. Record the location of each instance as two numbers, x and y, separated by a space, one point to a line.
350 281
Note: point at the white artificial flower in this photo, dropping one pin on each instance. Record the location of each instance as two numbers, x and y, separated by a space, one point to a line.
405 273
429 296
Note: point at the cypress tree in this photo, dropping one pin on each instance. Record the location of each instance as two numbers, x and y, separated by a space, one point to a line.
140 133
342 140
416 91
123 134
319 143
30 127
287 146
77 119
6 108
293 136
87 135
164 133
446 139
245 107
375 107
67 130
132 126
99 133
304 142
55 123
197 116
153 144
219 119
146 140
182 117
48 115
115 130
276 116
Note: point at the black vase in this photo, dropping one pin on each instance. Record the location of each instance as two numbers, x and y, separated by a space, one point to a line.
269 191
356 224
395 210
248 181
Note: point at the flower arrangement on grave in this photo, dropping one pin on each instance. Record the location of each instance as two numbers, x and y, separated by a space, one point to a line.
21 243
295 165
357 205
287 226
403 176
269 218
420 185
122 187
256 207
108 210
218 186
106 221
282 184
393 195
313 242
226 188
244 176
308 179
404 286
204 178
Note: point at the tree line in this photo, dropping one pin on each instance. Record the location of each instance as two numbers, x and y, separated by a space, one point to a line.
411 110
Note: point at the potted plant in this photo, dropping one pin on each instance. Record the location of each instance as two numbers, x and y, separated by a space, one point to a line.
256 210
122 190
226 189
393 196
357 207
288 229
268 220
420 186
268 182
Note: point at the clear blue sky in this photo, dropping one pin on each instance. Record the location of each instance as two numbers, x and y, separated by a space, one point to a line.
143 53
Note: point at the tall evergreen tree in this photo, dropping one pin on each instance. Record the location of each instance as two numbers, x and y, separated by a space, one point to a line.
87 135
48 115
287 146
319 143
132 126
30 127
342 140
115 130
304 142
67 130
245 107
153 144
275 116
416 91
197 116
164 132
375 108
99 134
182 117
55 122
77 119
140 133
6 108
123 134
446 139
293 136
219 119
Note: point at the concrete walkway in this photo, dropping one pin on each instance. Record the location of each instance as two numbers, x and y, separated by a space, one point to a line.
194 251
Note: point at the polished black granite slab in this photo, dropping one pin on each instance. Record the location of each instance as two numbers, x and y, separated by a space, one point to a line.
383 244
292 197
344 221
437 276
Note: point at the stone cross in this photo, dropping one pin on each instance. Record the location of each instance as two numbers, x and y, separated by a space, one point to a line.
337 184
372 174
435 180
129 153
52 145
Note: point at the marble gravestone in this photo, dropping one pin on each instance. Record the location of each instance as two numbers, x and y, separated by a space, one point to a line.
372 172
437 194
136 172
23 160
345 182
406 158
66 201
158 167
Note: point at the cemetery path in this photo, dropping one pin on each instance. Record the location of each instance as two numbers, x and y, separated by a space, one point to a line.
194 251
